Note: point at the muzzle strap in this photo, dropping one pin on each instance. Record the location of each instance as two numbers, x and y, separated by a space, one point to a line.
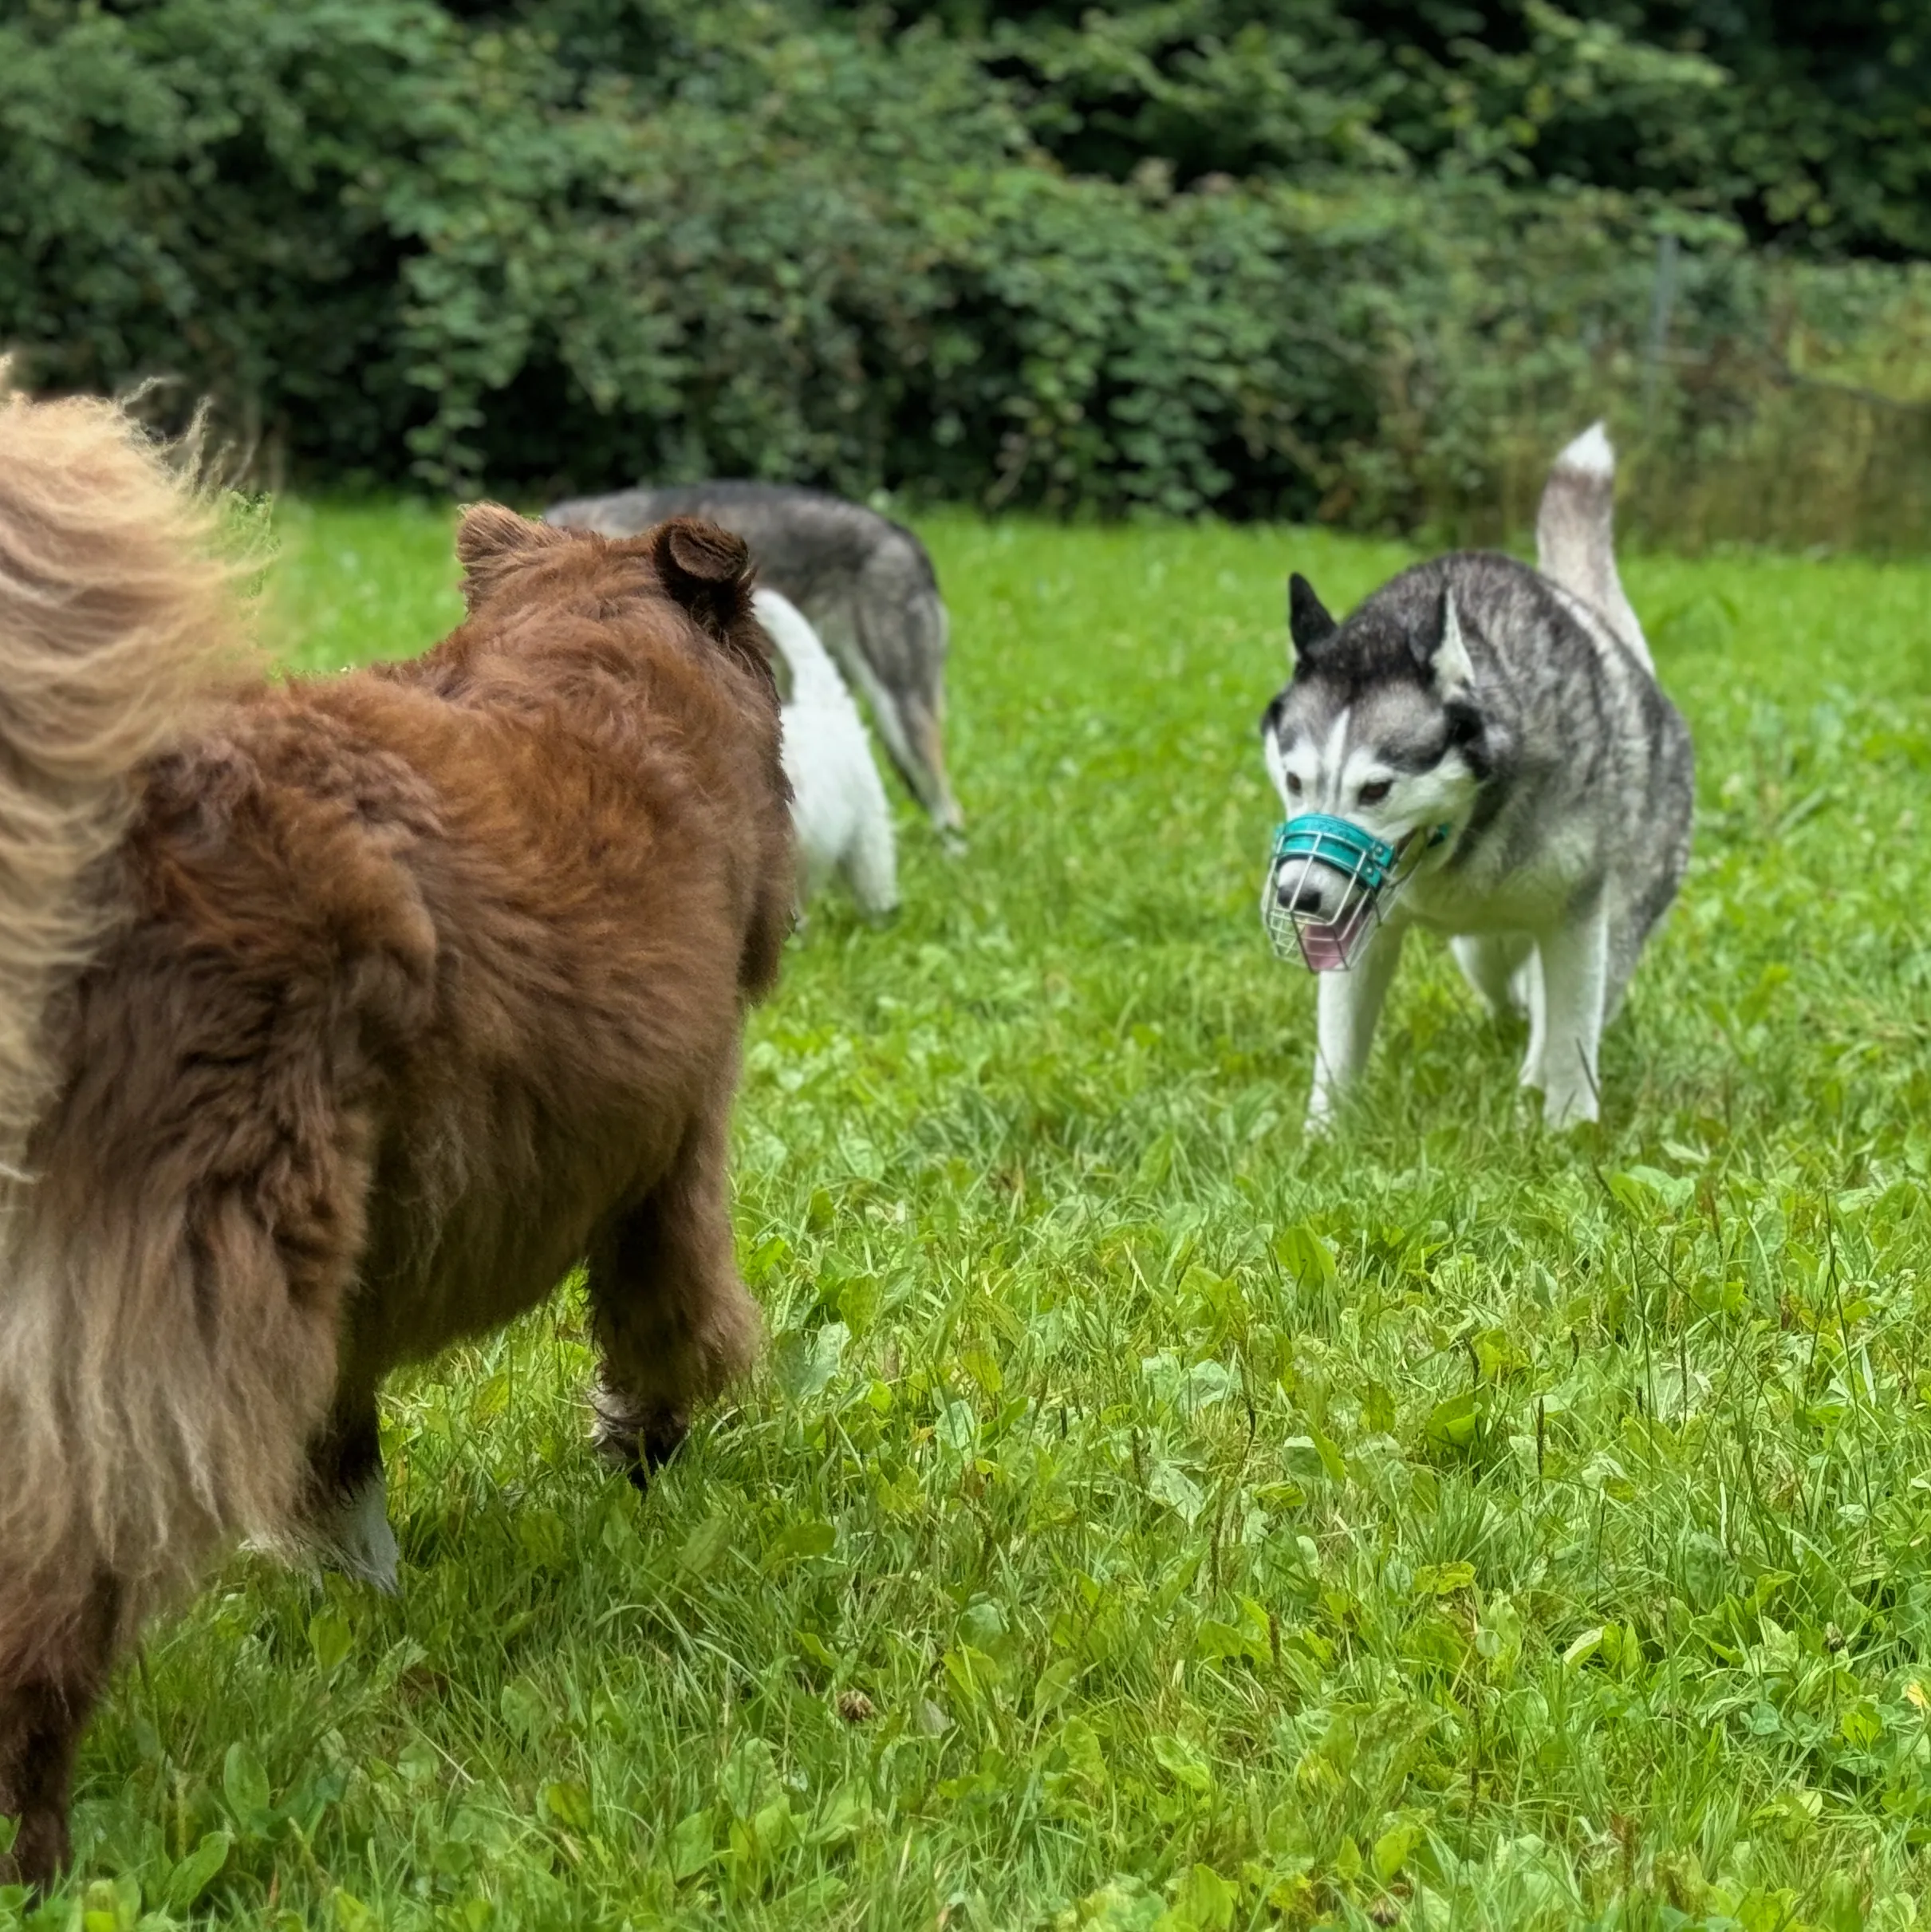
1338 844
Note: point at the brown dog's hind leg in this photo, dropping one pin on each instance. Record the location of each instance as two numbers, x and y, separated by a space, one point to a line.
672 1319
44 1704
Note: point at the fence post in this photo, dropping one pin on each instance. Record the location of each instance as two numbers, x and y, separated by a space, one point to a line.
1662 299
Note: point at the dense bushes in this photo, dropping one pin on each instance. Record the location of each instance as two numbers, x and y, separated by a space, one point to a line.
590 239
1802 120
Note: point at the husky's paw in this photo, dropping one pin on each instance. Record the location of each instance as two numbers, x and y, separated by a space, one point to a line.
1319 1123
1562 1110
355 1537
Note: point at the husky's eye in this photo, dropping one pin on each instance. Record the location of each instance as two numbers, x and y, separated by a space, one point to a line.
1293 784
1375 790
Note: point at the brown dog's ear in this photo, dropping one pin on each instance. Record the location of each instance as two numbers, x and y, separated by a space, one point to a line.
708 571
491 540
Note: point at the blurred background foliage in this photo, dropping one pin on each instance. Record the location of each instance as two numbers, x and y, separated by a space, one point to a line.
1356 260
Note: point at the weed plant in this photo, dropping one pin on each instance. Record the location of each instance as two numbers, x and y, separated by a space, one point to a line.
1146 1518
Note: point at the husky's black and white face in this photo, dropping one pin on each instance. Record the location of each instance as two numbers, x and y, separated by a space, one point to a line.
1379 724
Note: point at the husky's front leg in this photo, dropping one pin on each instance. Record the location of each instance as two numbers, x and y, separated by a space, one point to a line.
1350 1004
1574 972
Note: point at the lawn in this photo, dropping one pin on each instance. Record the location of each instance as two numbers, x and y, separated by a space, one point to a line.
1145 1518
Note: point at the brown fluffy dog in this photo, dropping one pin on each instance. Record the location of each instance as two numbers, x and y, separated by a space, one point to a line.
338 1020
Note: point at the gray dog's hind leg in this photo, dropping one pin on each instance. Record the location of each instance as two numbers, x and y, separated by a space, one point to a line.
902 633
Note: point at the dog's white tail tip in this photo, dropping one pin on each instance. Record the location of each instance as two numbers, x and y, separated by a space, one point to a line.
1592 454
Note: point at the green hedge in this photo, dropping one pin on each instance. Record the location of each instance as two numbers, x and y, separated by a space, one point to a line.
574 248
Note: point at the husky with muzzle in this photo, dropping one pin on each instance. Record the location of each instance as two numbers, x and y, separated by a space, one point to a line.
1483 749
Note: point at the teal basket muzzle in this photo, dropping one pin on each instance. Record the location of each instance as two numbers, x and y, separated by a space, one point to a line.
1329 885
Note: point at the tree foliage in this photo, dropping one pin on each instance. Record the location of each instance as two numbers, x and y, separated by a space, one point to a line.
1805 121
1302 258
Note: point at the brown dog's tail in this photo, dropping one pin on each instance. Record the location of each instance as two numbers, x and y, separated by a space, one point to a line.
116 622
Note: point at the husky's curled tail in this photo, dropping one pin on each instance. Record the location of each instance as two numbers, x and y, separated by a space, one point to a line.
1575 534
117 625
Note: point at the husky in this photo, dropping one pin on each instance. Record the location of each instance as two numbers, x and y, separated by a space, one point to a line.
838 807
1494 736
865 582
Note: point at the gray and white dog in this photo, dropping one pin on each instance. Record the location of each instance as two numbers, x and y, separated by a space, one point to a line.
866 583
1503 729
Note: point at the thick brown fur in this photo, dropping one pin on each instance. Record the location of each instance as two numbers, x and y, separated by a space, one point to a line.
339 1020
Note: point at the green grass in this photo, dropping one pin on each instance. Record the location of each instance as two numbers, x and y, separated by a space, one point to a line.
1145 1518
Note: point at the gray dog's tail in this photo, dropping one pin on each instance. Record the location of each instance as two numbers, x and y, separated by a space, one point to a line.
1575 534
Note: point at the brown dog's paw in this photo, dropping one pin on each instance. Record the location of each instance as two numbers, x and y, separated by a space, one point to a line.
637 1437
661 1438
41 1852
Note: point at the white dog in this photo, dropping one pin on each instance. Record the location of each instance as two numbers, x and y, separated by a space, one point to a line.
838 798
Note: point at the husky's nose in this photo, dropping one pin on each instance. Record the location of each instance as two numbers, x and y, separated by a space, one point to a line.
1302 897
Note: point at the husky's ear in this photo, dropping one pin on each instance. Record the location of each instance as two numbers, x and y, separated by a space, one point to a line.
1308 621
492 541
1445 659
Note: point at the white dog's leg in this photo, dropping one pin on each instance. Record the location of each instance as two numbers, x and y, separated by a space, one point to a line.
871 863
1350 1004
1574 969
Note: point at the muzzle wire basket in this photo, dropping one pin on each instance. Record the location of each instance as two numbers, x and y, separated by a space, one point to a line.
1329 884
